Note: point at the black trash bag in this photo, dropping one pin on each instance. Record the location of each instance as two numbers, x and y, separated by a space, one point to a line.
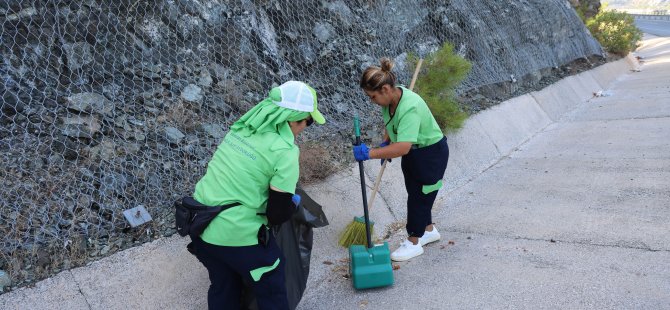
294 238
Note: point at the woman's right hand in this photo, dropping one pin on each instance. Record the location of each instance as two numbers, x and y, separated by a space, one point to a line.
383 144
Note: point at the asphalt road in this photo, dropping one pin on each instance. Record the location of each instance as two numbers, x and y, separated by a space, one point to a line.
659 28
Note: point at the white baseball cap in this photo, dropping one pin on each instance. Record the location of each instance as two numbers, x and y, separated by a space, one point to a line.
298 96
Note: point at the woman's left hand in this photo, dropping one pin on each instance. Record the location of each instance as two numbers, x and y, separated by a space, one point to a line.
296 199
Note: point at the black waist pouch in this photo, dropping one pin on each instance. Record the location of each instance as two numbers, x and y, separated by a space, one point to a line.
192 217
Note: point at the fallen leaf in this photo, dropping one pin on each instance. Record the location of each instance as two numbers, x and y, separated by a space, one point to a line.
327 262
396 267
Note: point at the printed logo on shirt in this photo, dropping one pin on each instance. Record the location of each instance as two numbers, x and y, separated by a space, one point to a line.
242 146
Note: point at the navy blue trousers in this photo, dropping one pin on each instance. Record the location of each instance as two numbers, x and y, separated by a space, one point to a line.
421 167
228 267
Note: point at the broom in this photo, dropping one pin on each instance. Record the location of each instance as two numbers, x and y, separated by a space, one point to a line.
355 232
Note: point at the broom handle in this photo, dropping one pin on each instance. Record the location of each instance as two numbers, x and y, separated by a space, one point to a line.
381 171
416 73
361 170
376 187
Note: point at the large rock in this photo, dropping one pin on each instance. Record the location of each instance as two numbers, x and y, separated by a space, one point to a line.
218 102
340 9
22 13
150 71
192 93
214 130
90 103
80 126
113 183
205 79
173 135
151 31
78 55
323 32
105 151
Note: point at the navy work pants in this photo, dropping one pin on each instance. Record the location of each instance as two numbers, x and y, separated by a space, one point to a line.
229 266
423 167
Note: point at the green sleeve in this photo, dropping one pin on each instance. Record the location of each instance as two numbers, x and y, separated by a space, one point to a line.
286 171
408 126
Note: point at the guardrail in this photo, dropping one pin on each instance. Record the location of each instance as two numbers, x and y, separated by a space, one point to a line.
645 11
651 17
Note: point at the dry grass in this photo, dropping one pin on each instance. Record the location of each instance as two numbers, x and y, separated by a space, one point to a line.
316 163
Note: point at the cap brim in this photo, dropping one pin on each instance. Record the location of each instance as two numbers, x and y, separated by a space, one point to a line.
318 117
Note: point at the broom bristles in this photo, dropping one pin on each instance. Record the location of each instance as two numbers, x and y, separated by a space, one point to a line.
354 233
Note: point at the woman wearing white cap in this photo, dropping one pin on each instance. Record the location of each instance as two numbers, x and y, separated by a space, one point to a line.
256 169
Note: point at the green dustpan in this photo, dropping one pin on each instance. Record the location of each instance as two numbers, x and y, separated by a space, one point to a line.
369 266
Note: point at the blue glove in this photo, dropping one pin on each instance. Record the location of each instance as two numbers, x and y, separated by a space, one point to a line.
383 144
296 199
361 152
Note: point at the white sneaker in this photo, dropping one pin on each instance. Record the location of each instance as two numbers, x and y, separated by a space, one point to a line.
430 236
406 251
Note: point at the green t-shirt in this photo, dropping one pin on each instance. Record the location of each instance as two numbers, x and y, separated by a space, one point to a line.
242 169
412 122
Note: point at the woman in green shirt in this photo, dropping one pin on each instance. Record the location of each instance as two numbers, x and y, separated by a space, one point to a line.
412 133
256 165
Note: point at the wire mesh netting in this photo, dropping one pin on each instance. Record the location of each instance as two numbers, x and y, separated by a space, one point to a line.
110 105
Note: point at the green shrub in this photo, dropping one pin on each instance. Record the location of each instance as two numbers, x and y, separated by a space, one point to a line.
616 31
440 74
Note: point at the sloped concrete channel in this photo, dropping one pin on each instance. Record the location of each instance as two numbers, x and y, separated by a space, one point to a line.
554 199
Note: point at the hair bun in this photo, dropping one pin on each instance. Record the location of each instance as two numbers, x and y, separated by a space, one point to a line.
387 64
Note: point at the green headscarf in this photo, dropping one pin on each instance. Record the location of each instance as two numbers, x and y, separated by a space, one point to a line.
267 116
